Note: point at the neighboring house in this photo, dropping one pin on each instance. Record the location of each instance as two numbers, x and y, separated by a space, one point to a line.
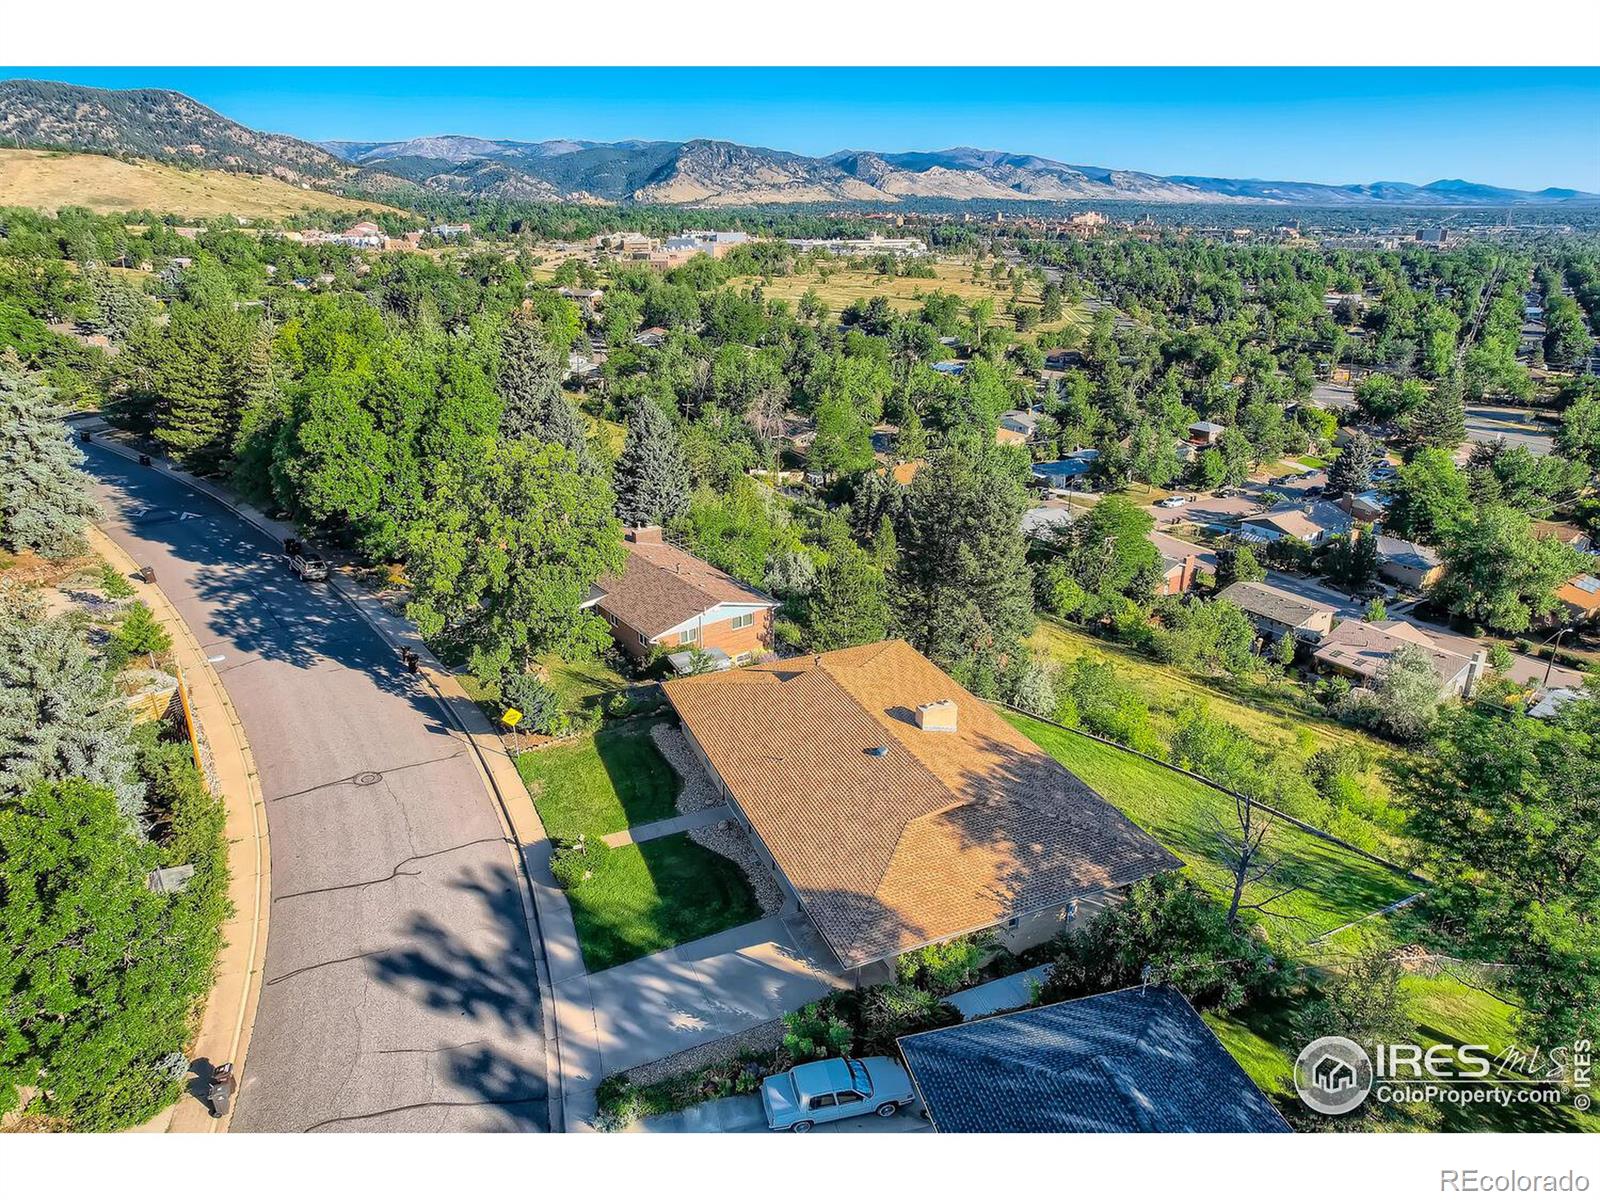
1059 358
1552 701
1408 564
1275 612
650 338
1016 427
1206 433
668 597
1365 506
1136 1061
1312 523
1358 650
1579 598
1566 533
950 366
1061 472
900 809
1181 561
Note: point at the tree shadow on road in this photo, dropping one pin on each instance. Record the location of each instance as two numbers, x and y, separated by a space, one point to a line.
490 984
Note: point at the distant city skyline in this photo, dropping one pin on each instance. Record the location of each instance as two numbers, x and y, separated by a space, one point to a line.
1521 128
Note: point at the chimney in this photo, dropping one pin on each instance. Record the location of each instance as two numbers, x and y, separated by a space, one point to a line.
644 534
938 717
1475 670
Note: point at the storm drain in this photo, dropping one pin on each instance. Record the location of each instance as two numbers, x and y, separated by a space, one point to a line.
366 779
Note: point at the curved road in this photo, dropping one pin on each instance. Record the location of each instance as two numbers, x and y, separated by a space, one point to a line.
400 990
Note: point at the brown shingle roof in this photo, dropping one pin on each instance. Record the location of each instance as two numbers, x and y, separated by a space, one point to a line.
943 833
661 587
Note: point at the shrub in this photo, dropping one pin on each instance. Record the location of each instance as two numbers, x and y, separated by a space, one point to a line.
538 703
817 1031
139 633
893 1010
574 860
618 704
114 583
1168 925
946 966
1035 689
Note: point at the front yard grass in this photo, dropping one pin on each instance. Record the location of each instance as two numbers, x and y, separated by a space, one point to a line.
1336 885
602 782
654 895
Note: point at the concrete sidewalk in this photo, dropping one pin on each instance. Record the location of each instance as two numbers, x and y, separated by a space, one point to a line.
669 826
224 1034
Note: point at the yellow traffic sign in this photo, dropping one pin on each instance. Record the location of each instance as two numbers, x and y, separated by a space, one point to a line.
511 718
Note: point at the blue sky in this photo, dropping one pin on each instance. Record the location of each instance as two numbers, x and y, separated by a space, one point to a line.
1528 128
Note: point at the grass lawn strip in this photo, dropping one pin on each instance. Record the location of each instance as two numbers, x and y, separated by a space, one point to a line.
600 783
655 895
1336 885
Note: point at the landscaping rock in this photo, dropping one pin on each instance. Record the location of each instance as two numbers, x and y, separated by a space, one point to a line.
697 792
729 840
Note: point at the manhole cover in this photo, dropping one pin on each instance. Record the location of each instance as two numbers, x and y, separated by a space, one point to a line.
367 778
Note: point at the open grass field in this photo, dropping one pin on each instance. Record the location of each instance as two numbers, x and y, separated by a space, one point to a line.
1270 716
1335 885
51 180
844 287
600 783
655 895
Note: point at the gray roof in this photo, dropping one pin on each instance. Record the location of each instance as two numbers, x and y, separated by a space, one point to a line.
1407 554
1135 1061
1264 600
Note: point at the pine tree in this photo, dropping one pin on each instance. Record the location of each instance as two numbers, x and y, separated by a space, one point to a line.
44 496
1351 472
59 715
564 426
652 480
1440 421
529 380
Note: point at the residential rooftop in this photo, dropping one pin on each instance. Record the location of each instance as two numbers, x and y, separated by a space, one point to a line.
1134 1061
1275 604
662 586
895 835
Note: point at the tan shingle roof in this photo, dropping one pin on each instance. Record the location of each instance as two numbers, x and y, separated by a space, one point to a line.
662 587
942 834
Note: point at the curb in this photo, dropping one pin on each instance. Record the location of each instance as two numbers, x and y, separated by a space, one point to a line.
349 593
256 865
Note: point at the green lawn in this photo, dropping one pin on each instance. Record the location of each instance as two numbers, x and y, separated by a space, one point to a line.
1277 717
654 895
1336 886
601 782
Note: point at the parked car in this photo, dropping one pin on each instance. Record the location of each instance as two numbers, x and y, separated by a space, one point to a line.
834 1090
309 567
1172 502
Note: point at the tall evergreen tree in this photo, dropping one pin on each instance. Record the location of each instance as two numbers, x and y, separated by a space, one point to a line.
652 480
963 590
529 379
59 715
1351 472
187 381
1440 421
44 497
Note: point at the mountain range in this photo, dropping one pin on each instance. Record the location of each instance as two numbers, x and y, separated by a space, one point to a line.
169 126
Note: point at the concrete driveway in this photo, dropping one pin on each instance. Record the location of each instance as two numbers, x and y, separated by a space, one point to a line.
743 1114
400 990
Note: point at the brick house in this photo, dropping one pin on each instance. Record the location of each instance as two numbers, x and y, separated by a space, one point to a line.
667 597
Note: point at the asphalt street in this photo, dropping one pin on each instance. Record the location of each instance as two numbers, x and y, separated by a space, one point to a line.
400 990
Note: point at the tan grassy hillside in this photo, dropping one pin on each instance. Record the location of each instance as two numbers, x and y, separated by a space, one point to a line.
51 179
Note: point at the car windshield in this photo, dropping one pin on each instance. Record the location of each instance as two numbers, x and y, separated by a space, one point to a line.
859 1076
